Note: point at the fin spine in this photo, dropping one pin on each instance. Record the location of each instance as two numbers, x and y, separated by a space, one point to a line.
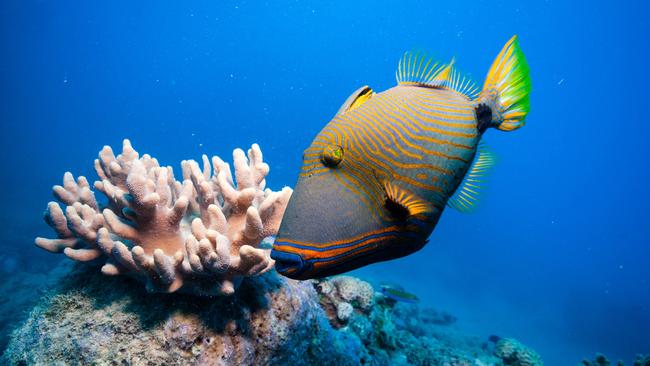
416 68
357 98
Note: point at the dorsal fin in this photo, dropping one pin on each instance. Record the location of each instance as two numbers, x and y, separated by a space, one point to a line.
358 97
443 78
416 68
468 192
463 85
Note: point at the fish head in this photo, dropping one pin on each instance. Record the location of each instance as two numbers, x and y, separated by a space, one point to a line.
343 213
338 218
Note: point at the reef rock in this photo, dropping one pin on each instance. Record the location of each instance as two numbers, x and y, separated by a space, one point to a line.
395 333
89 318
200 236
21 291
95 320
602 360
642 360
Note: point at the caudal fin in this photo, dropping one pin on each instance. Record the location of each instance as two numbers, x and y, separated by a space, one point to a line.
504 101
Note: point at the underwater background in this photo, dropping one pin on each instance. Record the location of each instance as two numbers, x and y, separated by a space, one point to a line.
556 254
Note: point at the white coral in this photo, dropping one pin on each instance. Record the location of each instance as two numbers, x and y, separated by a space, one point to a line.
199 236
351 289
344 311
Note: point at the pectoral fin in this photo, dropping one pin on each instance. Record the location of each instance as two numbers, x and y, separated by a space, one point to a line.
405 205
469 191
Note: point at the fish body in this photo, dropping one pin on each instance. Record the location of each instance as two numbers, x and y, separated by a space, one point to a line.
398 294
376 179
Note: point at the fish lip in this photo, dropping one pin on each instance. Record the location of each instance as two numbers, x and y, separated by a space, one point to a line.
288 264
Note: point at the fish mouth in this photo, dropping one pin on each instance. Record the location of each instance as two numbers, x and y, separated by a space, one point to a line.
306 260
294 266
288 264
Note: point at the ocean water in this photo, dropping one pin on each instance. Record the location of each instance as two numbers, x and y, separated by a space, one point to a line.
556 254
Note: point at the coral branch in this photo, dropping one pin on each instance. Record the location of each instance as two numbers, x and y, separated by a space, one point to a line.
201 235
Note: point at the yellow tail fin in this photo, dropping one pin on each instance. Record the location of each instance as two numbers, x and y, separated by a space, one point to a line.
507 88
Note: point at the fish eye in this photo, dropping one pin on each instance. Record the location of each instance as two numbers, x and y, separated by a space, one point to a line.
332 155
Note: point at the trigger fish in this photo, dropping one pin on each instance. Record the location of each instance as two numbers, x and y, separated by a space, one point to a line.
377 177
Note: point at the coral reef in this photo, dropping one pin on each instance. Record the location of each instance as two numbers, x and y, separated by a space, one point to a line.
397 333
82 323
516 354
200 236
270 320
602 360
343 295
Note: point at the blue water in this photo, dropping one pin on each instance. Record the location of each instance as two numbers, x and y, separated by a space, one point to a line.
557 253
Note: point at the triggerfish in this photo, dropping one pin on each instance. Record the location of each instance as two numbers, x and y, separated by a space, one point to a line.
377 177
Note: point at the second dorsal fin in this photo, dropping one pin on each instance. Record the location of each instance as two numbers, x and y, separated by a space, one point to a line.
416 68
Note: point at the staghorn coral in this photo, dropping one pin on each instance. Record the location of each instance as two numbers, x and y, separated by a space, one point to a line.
200 236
